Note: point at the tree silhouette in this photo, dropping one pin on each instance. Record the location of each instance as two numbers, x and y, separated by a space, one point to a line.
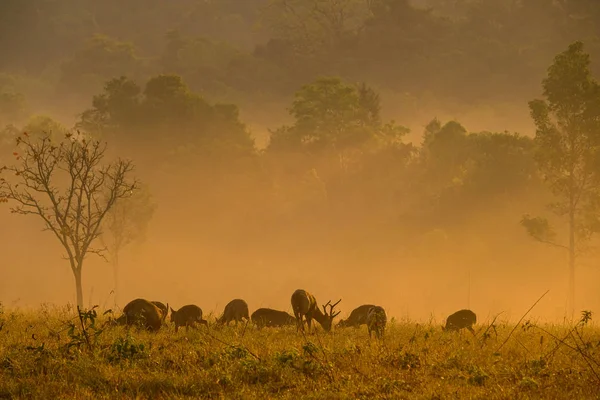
68 187
567 152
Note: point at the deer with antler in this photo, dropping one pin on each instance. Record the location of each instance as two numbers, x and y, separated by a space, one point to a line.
305 306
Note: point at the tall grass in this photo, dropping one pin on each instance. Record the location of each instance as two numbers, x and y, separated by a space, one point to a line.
53 354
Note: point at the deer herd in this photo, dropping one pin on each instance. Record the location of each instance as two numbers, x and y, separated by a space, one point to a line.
151 315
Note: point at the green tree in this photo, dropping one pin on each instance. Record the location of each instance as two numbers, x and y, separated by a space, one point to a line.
314 26
331 115
169 102
567 137
166 104
40 125
458 173
13 105
69 187
170 60
336 147
114 109
443 164
100 58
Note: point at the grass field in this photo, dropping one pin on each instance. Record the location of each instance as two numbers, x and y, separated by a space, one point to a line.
47 354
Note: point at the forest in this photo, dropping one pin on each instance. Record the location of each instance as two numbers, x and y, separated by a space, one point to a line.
427 55
307 142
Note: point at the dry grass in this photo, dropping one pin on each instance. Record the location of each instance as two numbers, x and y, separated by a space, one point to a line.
44 354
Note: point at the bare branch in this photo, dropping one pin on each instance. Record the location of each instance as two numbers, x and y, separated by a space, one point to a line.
66 185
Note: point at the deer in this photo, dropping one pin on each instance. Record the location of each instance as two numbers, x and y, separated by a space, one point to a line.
236 310
267 317
305 306
162 307
357 317
187 316
376 321
142 313
459 320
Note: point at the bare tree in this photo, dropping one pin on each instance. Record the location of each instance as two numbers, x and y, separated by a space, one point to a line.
125 223
70 189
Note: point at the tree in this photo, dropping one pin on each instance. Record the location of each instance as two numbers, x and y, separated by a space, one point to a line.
13 105
67 185
331 115
38 125
166 104
100 58
567 137
117 107
314 26
460 173
125 223
337 158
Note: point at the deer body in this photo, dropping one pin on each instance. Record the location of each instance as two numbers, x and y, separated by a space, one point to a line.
461 319
376 321
236 310
163 308
187 316
271 318
143 313
357 317
305 306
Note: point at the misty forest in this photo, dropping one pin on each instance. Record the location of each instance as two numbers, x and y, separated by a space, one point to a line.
427 168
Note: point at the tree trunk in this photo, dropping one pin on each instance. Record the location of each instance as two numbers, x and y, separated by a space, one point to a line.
78 286
116 278
571 293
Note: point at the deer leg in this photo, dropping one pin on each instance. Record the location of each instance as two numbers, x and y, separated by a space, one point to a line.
299 322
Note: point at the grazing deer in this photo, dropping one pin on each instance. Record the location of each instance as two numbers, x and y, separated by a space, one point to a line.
459 320
187 316
142 313
236 310
357 317
267 317
163 308
376 321
305 306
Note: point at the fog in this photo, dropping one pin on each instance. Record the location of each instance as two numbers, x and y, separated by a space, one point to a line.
422 231
487 264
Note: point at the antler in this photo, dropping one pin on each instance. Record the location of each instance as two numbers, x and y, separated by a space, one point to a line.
331 307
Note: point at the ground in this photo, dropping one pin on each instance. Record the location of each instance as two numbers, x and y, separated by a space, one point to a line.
46 354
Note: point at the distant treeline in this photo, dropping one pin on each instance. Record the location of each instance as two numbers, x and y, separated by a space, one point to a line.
468 51
337 177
